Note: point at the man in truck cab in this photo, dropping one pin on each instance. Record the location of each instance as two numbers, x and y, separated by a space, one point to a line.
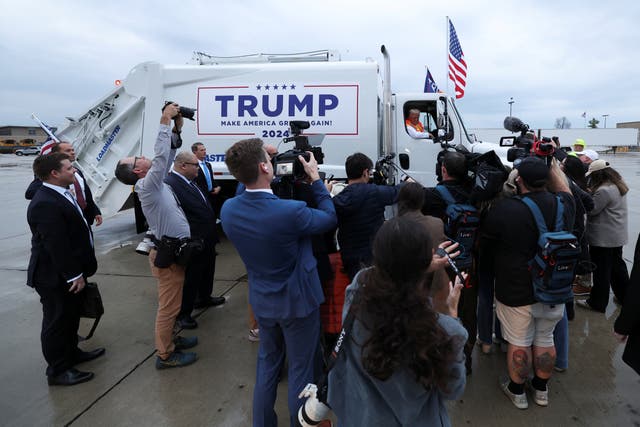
415 129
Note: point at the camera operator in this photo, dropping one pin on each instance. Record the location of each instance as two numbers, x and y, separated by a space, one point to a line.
168 223
272 236
454 174
360 209
510 229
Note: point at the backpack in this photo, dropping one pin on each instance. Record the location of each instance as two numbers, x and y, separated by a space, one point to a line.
461 225
552 268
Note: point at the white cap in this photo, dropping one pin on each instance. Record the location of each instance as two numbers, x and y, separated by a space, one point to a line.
592 154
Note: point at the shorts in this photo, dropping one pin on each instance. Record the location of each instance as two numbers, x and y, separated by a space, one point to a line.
529 324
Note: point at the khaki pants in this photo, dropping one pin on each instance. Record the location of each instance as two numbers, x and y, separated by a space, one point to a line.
170 283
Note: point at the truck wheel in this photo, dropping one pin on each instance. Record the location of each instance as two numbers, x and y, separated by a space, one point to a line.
19 153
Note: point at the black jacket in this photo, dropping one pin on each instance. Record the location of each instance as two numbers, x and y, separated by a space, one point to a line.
509 239
434 204
90 211
197 209
60 244
628 322
201 182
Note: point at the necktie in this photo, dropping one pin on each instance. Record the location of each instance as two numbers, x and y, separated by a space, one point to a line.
79 194
75 203
207 175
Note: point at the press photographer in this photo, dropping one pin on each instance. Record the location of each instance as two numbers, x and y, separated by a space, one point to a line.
171 234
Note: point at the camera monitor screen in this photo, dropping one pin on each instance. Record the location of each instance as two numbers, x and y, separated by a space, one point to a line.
285 168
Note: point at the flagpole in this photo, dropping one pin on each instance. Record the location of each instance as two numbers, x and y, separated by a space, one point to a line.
44 128
446 62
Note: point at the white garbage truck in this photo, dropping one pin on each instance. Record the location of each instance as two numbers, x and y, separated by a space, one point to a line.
349 103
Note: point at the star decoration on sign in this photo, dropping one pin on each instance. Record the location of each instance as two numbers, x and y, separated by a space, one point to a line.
258 87
275 87
266 87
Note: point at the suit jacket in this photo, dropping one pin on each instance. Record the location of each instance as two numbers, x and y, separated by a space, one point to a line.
272 236
201 181
197 209
60 244
90 211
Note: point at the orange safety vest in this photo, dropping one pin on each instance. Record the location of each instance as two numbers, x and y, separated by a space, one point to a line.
417 127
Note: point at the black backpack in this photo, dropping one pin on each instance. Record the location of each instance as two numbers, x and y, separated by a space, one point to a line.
552 268
461 225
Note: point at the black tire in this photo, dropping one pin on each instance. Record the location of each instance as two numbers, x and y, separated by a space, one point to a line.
19 153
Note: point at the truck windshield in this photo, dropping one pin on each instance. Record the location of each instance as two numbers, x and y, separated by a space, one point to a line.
464 129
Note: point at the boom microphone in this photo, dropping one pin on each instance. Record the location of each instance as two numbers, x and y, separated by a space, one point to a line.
514 124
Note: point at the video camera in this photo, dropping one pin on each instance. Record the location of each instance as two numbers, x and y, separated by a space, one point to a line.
527 144
287 165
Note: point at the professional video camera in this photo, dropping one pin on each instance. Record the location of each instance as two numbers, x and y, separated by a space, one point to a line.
287 165
527 144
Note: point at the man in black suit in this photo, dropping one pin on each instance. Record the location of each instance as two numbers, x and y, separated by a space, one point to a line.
198 282
205 179
62 257
79 188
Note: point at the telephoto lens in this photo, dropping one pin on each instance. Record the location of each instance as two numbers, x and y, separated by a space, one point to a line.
313 412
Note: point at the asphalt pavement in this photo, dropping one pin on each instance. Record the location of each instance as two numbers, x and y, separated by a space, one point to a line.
597 389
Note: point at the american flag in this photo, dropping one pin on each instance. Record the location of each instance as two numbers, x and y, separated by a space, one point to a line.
457 65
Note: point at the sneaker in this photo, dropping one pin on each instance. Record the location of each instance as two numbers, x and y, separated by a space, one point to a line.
518 400
580 290
254 335
540 397
183 343
176 360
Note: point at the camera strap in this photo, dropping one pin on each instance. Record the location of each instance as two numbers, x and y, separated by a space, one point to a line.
347 325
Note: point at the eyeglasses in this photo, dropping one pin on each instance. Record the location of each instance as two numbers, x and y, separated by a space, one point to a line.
135 159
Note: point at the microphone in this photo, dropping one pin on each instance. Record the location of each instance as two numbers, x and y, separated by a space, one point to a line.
514 124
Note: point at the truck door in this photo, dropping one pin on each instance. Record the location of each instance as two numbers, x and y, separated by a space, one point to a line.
413 138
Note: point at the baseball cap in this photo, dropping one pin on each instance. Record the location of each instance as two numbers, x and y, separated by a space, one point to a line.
597 166
579 141
533 171
592 154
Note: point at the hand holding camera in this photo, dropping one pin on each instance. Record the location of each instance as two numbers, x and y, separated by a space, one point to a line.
310 167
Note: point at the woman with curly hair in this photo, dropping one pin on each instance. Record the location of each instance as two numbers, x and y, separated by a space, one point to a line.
607 234
402 359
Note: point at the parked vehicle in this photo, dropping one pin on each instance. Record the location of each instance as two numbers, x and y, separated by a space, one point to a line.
27 151
349 102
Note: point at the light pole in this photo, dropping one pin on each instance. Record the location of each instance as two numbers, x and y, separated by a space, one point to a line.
510 105
605 120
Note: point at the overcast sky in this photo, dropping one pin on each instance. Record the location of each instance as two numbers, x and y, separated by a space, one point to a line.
555 58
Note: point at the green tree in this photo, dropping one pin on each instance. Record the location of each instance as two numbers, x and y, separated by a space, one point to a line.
593 123
562 123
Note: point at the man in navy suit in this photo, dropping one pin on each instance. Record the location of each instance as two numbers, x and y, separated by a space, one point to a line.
272 236
79 188
198 281
62 257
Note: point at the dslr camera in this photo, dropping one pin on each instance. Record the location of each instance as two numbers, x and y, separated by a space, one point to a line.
526 144
287 165
185 112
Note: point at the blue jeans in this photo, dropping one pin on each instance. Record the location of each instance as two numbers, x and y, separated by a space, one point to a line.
485 308
299 339
561 341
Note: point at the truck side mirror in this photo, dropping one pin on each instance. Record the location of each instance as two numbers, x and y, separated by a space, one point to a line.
441 120
404 160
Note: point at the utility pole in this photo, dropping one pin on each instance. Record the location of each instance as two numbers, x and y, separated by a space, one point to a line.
510 105
605 120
